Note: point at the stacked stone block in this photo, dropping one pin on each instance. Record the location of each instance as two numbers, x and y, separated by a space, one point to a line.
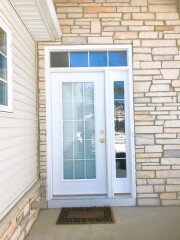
18 222
153 29
42 120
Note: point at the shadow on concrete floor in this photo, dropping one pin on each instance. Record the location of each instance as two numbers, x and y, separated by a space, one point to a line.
131 223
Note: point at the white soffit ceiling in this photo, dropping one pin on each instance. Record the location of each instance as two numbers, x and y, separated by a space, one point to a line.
40 18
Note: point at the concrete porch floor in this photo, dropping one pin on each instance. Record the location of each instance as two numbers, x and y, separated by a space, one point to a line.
131 223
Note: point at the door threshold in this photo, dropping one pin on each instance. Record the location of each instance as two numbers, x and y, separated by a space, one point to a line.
60 197
88 201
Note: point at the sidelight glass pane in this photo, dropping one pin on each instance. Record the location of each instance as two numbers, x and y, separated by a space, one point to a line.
59 59
79 59
3 67
117 59
90 169
67 91
120 144
3 94
121 168
119 127
3 41
119 109
68 169
118 90
98 59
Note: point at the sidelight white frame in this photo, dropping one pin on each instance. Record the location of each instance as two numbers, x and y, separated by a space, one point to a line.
124 200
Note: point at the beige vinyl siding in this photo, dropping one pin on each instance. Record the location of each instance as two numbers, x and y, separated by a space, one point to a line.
18 130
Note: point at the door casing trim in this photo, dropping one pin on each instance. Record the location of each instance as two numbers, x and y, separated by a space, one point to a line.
48 72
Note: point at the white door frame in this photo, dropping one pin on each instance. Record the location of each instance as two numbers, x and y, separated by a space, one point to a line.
110 199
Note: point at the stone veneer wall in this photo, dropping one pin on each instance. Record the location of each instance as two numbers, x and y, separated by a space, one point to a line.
17 223
152 27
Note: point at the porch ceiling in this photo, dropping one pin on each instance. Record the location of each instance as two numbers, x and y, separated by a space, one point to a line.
40 18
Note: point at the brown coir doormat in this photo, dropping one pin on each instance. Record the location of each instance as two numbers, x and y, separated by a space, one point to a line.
85 215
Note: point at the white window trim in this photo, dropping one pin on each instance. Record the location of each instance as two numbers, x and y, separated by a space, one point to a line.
49 70
8 108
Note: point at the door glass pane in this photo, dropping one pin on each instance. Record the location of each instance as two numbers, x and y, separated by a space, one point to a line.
89 110
78 59
89 129
89 149
79 170
67 92
3 94
117 59
3 41
67 130
68 169
90 169
68 149
78 92
98 59
67 111
78 149
120 137
78 109
78 130
89 91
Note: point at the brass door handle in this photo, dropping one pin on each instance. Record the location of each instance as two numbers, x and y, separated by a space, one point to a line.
101 140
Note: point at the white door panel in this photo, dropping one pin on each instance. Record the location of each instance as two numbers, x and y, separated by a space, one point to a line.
79 161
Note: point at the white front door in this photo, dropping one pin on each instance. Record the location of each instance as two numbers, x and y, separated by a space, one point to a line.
78 134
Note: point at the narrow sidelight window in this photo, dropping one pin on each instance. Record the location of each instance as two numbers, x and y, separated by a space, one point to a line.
5 79
3 68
